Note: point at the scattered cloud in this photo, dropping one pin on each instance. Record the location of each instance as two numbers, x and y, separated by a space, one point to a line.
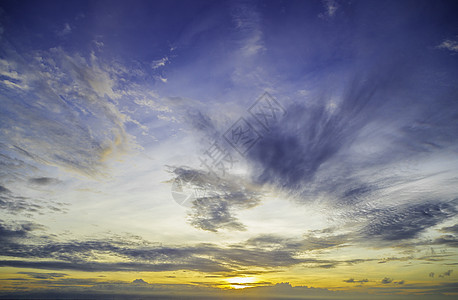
387 280
450 45
15 204
351 280
265 251
159 63
331 7
71 121
446 274
67 29
407 222
247 21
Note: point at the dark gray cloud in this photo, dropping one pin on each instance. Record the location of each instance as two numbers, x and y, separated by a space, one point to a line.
4 189
9 232
447 240
451 229
216 206
43 180
36 275
387 280
352 280
446 273
265 251
408 221
15 204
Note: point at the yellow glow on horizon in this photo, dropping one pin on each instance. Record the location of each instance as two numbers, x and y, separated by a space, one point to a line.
241 282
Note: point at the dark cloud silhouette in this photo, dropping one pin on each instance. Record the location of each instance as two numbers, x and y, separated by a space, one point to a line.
43 180
139 281
387 280
36 275
11 232
352 280
446 274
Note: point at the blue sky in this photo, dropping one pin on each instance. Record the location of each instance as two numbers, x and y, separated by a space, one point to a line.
109 109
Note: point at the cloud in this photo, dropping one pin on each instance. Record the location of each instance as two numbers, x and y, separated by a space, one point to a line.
451 229
67 29
43 180
265 251
115 289
387 280
15 204
446 274
450 45
139 281
358 157
351 280
36 275
247 21
4 189
219 198
71 121
408 222
162 79
159 63
9 232
93 288
331 7
448 240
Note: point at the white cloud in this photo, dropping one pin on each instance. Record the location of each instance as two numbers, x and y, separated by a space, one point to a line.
247 20
163 79
331 7
66 30
159 63
449 45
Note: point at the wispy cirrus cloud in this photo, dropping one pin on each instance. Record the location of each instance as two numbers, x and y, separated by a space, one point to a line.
67 115
364 161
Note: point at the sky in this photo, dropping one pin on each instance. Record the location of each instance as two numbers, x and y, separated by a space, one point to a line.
229 149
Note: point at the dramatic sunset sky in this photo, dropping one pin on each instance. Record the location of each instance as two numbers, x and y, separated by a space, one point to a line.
229 149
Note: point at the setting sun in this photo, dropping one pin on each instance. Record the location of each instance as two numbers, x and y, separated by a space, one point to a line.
241 282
